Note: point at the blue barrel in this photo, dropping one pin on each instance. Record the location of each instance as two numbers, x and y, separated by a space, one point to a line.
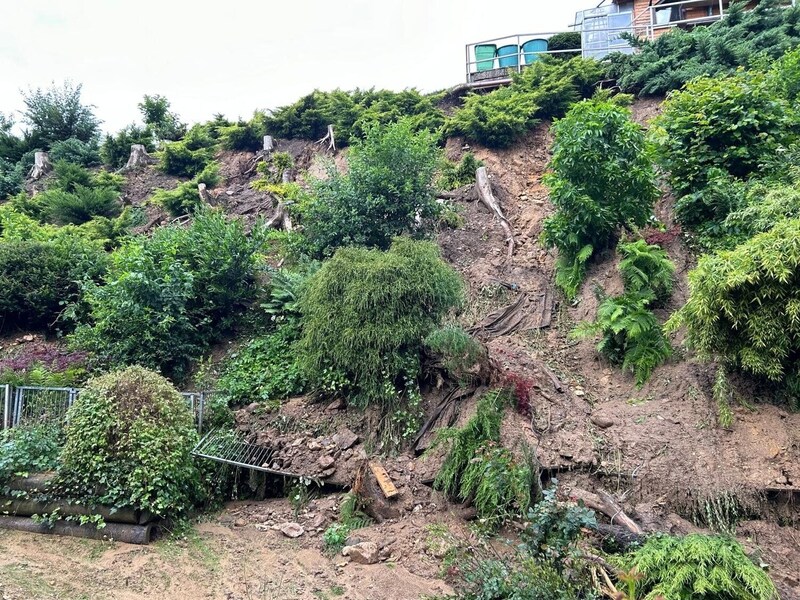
484 56
531 48
508 55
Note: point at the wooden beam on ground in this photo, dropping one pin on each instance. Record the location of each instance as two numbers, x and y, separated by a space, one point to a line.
387 486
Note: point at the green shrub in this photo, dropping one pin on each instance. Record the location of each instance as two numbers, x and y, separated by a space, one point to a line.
352 114
544 90
116 149
697 566
40 278
646 271
744 306
763 207
388 187
365 314
742 38
10 179
166 298
159 119
265 369
129 438
568 40
602 178
477 469
190 156
518 579
80 206
57 113
460 352
630 335
75 151
68 177
497 119
25 450
733 123
185 197
455 175
350 519
242 136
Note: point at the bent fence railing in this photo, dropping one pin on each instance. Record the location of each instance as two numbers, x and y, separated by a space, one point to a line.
35 405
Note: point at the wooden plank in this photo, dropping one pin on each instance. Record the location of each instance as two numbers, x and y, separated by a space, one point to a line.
387 487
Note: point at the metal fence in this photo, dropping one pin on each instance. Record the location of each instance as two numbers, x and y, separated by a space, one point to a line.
33 405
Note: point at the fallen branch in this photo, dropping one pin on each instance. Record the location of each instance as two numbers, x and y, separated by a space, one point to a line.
487 197
604 503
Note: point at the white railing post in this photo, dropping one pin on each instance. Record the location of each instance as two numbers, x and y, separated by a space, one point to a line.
7 407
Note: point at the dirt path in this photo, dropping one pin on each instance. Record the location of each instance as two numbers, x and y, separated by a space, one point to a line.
214 560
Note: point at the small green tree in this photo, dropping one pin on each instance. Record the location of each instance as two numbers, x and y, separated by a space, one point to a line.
365 315
58 113
158 117
602 179
389 190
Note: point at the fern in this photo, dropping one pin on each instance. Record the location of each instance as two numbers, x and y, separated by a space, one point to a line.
698 567
631 335
646 270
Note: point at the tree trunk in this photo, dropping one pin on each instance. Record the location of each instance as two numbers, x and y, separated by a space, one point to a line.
487 197
603 502
138 158
41 166
269 144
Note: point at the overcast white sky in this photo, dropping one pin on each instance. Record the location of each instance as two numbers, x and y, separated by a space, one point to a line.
236 56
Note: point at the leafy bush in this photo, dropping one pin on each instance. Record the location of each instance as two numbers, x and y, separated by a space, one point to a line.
477 469
733 123
646 271
365 314
129 438
185 197
159 119
117 148
744 306
460 352
763 207
388 187
602 178
742 38
697 566
39 278
519 579
567 40
168 297
25 450
75 151
265 369
352 114
631 335
544 90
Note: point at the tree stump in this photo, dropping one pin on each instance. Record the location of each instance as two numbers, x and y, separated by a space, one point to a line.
138 158
205 195
41 166
269 144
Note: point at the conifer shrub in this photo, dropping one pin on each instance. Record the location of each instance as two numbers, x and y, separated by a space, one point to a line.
602 180
244 135
11 179
75 151
388 191
185 197
365 314
129 438
744 307
189 156
544 90
696 566
744 38
455 175
567 40
116 149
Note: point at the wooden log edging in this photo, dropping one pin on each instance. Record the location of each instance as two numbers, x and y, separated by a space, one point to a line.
121 532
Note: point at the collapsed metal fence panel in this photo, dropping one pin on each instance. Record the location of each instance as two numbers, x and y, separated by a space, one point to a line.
35 405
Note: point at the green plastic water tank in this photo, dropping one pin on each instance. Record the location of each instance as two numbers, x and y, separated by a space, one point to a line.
484 56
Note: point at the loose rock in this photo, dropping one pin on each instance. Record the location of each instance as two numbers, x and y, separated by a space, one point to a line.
365 553
292 530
